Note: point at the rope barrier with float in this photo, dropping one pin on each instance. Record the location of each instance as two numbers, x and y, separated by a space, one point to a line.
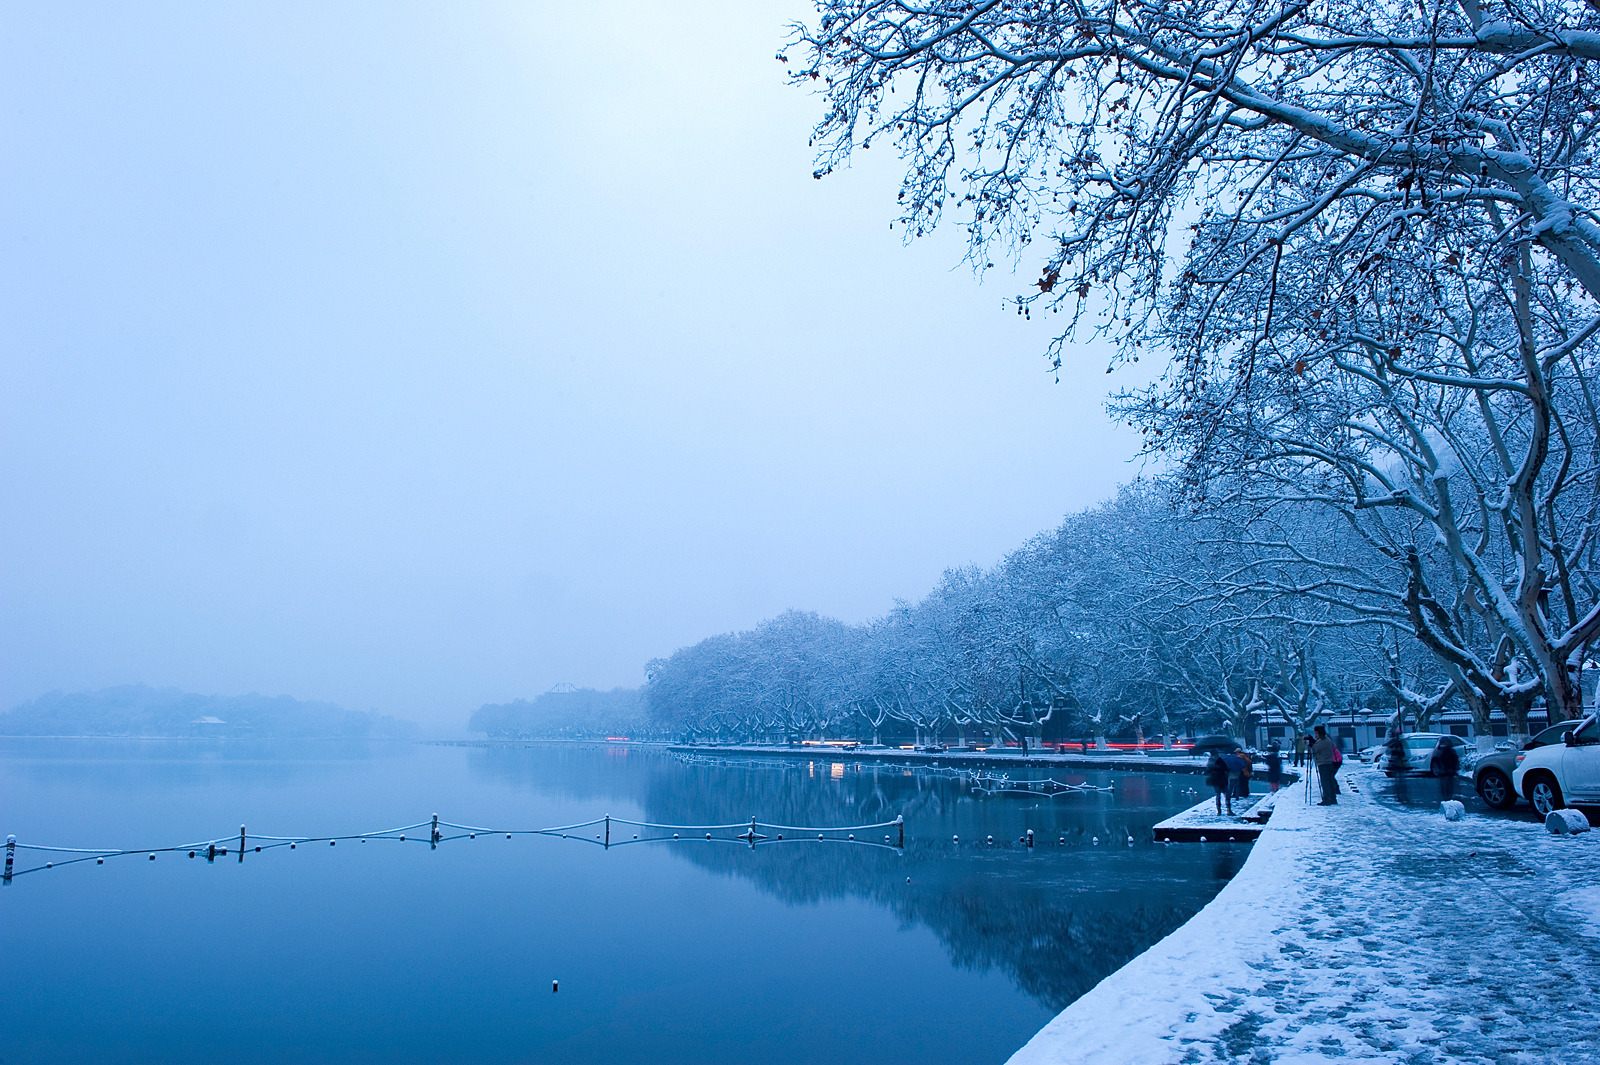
605 832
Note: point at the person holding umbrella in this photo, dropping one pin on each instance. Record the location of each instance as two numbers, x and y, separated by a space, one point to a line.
1220 780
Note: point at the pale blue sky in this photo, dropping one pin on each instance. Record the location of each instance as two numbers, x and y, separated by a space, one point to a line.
413 356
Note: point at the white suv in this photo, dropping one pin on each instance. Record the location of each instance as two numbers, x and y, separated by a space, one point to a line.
1562 773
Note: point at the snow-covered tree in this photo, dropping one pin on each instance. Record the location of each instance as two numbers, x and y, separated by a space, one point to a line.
1360 236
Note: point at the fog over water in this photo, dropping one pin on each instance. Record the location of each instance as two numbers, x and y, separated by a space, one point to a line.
413 357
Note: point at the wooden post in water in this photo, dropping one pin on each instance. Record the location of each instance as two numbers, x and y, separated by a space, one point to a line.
901 822
433 838
211 852
241 844
608 831
11 856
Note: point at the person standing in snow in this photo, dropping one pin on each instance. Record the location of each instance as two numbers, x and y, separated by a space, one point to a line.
1444 763
1217 778
1242 781
1326 758
1397 763
1274 766
1299 749
1234 763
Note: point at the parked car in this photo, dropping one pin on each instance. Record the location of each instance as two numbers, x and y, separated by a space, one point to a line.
1492 775
1558 774
1419 747
1370 754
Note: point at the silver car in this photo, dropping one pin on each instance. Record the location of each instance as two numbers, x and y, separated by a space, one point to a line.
1419 748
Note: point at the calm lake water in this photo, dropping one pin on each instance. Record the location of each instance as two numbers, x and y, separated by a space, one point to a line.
668 952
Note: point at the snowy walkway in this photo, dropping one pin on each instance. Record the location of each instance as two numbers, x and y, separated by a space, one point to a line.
1365 932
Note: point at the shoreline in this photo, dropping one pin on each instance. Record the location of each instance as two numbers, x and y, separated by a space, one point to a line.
1368 932
1135 763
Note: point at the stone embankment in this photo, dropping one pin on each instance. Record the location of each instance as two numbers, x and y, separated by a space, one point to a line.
1159 762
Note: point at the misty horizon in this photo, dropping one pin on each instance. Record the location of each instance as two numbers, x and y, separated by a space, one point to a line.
370 360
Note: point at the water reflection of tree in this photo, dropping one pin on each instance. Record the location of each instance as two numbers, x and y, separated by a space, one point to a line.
1057 918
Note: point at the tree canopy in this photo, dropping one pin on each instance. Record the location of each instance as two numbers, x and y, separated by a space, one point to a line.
1358 238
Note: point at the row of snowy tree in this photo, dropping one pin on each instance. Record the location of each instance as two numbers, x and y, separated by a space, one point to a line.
1359 240
1135 618
565 712
1357 244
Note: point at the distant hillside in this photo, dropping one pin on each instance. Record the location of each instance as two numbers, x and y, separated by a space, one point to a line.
569 713
137 710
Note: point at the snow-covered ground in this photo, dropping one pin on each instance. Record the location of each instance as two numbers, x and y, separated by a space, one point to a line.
1365 932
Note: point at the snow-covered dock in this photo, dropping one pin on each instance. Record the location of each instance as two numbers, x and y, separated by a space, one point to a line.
1201 823
1365 932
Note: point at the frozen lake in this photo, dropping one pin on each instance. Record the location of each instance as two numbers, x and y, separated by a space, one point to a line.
666 953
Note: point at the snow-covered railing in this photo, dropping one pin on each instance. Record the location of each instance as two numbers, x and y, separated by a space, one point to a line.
606 832
1002 784
720 762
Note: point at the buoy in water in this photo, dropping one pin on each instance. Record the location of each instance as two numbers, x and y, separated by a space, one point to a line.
555 985
191 854
152 857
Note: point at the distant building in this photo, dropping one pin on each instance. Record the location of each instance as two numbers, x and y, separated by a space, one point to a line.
1355 728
